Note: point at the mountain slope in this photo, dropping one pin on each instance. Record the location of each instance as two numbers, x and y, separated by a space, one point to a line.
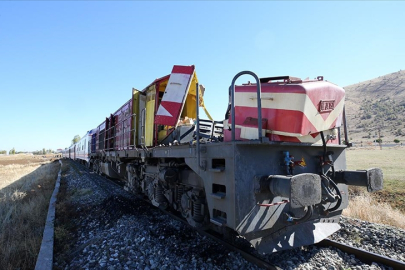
377 105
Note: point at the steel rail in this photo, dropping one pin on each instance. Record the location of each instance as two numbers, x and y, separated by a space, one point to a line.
360 254
363 255
247 256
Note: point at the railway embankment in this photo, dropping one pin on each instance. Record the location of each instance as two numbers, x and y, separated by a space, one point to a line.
26 185
101 226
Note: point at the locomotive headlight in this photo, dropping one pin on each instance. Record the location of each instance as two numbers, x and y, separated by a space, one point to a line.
334 132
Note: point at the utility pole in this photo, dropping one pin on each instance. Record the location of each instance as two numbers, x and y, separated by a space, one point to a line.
379 138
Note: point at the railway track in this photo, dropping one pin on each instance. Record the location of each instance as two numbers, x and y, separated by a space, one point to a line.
246 255
363 255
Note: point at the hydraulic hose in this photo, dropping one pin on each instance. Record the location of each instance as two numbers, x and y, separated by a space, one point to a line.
306 217
339 202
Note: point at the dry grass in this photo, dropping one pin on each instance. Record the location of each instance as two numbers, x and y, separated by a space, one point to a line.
25 190
386 206
365 207
11 173
65 221
24 159
391 160
13 167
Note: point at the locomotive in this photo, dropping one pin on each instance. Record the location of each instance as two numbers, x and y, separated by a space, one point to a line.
273 172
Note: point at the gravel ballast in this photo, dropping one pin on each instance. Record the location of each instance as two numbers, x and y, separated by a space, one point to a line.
115 230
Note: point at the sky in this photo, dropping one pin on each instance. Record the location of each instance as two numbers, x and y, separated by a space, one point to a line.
66 65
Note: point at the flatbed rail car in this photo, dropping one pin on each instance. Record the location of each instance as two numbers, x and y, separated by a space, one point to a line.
274 171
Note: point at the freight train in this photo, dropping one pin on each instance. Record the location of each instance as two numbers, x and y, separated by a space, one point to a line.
273 171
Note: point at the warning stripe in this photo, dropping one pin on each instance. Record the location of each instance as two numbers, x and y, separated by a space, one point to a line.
283 109
172 102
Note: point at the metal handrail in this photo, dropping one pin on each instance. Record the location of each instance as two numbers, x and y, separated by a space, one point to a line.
129 131
123 133
259 103
108 137
198 125
143 125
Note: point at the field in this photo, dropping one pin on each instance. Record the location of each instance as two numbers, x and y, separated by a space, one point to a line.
388 205
26 185
391 161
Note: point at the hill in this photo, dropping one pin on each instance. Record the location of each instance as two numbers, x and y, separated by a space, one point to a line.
377 105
